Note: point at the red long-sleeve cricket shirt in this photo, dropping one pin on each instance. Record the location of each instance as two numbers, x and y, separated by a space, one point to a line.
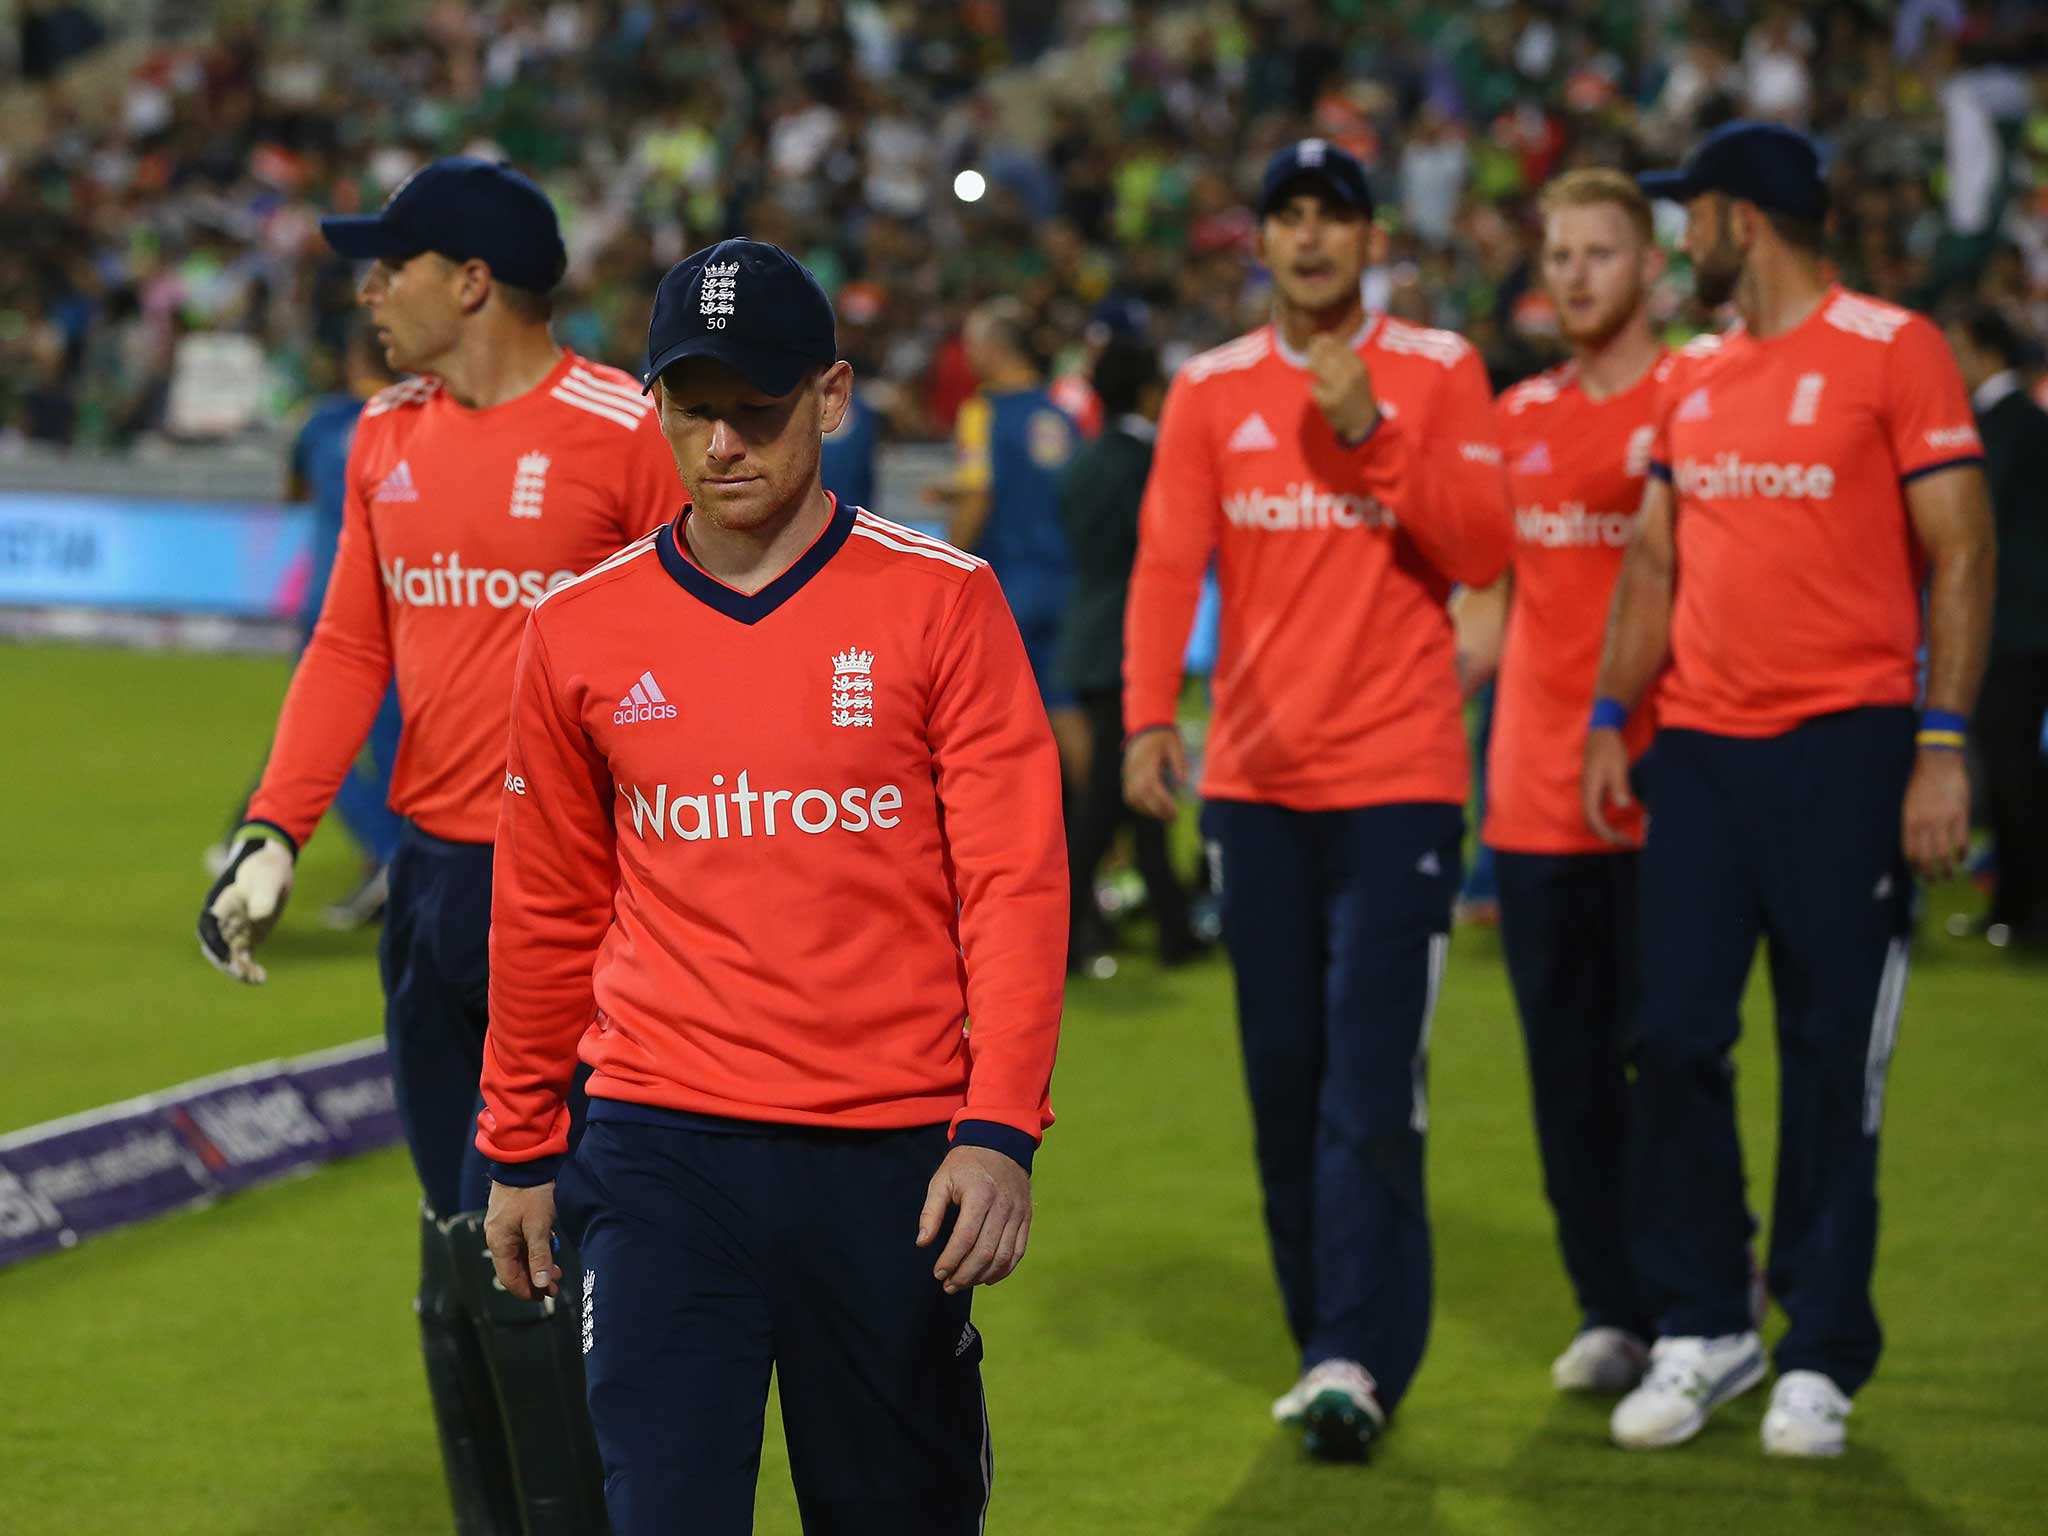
1335 682
454 522
763 857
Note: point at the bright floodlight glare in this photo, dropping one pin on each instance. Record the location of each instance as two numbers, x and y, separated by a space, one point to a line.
968 186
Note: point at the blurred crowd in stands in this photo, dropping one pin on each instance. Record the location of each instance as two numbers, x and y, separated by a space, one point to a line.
161 273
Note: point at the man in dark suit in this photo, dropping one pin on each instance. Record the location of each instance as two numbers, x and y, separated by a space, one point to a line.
1099 494
2014 702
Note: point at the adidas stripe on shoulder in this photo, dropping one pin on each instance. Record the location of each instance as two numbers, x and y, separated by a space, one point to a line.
1540 390
633 551
414 391
1232 357
908 541
1872 319
603 392
1445 348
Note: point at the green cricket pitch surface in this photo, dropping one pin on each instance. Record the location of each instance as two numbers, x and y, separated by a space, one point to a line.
251 1368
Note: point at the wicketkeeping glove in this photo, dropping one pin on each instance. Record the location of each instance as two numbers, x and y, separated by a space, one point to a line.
247 900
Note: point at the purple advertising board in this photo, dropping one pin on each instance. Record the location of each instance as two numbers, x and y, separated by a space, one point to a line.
71 1178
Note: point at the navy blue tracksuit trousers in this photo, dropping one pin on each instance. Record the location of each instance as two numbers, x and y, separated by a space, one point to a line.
1568 931
714 1250
435 955
1794 840
1337 924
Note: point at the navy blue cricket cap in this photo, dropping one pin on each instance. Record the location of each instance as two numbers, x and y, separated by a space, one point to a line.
749 305
466 210
1775 167
1321 162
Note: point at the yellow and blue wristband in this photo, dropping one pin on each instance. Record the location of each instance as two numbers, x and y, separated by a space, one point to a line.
1943 729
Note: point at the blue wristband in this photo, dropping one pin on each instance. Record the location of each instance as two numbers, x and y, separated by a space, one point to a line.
1943 729
1609 715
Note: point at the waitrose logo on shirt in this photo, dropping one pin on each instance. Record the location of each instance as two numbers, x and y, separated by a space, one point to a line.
1304 505
1571 526
448 583
1729 475
744 811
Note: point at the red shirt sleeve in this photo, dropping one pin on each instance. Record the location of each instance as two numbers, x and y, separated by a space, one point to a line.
1663 396
552 882
1178 527
652 493
1927 415
339 681
1503 434
1453 500
998 781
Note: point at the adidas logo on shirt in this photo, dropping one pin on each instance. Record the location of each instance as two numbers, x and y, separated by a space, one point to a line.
1535 460
1252 436
1695 407
398 485
645 701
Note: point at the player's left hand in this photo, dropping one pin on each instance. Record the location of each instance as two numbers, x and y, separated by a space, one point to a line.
994 1196
1936 819
1341 388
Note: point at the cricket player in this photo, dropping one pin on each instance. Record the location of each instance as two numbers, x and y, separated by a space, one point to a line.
762 912
1013 442
1577 446
1814 469
1343 470
505 466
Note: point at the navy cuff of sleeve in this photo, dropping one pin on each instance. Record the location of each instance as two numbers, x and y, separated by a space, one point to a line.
1660 471
1378 420
1925 470
542 1170
1006 1139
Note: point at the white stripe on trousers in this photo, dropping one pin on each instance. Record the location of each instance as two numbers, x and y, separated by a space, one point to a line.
1884 1032
1439 951
988 1465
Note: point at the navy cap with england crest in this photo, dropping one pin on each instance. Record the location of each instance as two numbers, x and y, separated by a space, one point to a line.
1317 163
749 305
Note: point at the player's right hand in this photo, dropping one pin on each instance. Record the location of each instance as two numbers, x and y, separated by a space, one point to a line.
1155 767
1604 786
519 1228
246 902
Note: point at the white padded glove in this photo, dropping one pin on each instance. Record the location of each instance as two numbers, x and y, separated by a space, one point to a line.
246 902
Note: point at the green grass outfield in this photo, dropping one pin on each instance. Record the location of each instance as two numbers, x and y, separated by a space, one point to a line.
250 1369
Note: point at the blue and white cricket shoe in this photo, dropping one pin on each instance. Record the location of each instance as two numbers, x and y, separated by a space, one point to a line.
1806 1416
1688 1379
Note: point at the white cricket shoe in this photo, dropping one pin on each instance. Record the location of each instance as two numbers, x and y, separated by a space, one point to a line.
1606 1360
1805 1416
1688 1379
1290 1405
1343 1416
